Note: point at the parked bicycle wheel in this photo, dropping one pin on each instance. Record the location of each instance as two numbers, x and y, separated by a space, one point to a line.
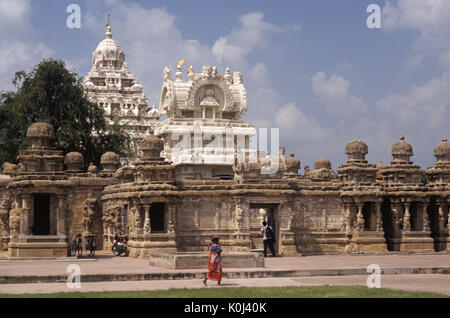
80 249
73 250
92 248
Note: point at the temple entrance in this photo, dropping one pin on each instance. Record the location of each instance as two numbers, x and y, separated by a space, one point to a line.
370 222
272 219
433 213
157 222
41 218
388 225
415 217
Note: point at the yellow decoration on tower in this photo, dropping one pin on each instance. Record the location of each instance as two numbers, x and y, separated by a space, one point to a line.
181 62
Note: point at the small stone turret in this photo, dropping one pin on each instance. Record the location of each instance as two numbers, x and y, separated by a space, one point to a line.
40 134
402 152
151 147
292 166
74 161
356 150
110 161
322 170
442 151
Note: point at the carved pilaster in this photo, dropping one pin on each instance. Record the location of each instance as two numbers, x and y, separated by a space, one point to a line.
379 216
360 218
147 228
171 210
348 219
407 218
61 215
426 221
26 214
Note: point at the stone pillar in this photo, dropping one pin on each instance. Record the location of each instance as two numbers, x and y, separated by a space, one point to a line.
441 217
26 214
348 219
61 216
147 228
379 216
425 219
395 217
138 219
407 218
171 218
359 218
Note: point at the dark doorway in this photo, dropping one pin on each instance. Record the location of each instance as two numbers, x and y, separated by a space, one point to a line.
157 223
415 220
388 225
41 218
367 215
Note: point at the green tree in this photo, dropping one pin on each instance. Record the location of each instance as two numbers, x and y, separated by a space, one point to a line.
53 94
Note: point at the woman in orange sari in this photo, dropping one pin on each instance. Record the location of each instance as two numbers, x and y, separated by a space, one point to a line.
215 263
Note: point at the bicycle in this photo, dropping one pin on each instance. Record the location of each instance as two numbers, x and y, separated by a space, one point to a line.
90 244
77 246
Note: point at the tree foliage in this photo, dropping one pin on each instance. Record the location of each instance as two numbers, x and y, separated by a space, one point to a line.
53 94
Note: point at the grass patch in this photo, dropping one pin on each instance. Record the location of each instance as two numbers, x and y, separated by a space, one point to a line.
246 292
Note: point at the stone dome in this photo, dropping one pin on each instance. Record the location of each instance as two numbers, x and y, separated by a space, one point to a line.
322 163
442 151
356 150
74 161
73 157
108 49
152 146
40 133
401 150
110 158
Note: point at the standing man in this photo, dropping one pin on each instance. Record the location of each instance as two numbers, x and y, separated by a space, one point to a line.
268 238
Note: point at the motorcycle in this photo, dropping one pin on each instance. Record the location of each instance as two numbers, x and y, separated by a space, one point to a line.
119 246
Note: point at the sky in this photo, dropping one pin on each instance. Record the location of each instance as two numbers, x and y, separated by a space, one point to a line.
312 68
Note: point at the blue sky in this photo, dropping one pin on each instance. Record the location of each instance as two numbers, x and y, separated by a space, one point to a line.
311 68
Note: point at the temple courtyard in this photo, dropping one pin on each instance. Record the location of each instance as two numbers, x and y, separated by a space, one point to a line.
424 272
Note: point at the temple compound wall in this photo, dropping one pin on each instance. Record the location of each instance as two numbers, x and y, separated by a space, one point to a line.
197 177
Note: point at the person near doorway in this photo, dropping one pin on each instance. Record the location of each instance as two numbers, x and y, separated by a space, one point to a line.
215 263
268 238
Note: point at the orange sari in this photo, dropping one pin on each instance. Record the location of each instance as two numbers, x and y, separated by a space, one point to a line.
215 263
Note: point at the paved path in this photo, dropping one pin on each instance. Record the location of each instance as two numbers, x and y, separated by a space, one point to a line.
414 282
105 264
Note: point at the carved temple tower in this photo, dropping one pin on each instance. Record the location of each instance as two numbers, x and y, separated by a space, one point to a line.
204 131
112 86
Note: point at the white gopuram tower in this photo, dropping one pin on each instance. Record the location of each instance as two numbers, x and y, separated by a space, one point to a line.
117 91
204 133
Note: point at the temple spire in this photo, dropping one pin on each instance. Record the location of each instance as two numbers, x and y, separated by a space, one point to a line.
108 33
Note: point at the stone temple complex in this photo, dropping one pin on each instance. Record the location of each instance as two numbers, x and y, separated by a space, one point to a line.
196 177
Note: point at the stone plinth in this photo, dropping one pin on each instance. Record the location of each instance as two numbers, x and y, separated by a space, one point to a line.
38 246
419 241
199 260
312 243
368 241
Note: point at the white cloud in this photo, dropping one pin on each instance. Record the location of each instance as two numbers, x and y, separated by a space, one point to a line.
429 18
334 87
427 104
18 48
295 124
253 32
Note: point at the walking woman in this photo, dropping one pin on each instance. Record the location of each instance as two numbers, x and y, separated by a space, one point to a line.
215 263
